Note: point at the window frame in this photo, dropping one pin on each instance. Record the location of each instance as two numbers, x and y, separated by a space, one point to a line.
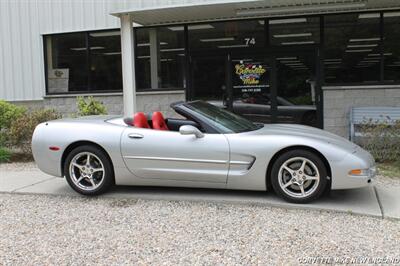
89 90
323 47
394 82
187 82
382 81
185 51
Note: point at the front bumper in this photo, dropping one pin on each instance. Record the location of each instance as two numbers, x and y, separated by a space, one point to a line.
359 159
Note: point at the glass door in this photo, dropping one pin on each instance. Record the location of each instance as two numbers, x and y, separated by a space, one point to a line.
282 87
251 94
297 88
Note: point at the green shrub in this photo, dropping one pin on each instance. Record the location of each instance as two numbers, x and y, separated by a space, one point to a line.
20 132
4 155
381 139
90 106
3 137
9 113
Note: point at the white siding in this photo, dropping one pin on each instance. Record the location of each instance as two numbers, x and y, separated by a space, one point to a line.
22 24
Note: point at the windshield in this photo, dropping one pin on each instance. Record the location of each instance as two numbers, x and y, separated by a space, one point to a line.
221 119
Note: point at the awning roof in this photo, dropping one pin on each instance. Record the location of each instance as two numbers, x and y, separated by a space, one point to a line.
226 10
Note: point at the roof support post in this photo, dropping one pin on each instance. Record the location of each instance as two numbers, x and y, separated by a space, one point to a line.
128 65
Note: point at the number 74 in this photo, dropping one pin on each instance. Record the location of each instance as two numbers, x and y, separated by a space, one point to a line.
249 41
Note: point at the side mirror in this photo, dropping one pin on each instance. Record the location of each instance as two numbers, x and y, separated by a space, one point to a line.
190 130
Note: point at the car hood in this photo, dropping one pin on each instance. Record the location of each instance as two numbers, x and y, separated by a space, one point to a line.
305 132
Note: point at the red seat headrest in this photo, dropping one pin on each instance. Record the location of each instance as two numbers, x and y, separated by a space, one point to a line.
158 121
140 120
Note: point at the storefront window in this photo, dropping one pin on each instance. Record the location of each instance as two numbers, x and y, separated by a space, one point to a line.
352 48
208 75
82 62
160 58
223 36
105 60
294 31
209 45
392 46
67 63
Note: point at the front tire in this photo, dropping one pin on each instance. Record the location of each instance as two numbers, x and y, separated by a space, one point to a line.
88 170
299 176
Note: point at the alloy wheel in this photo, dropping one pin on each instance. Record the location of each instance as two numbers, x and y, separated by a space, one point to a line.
87 171
298 177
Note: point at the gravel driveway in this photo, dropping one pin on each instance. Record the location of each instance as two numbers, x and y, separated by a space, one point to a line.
38 229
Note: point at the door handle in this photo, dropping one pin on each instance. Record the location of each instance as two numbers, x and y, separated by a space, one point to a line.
135 136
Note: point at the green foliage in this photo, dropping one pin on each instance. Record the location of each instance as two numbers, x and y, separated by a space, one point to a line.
381 139
9 113
90 106
390 169
4 155
3 137
17 126
21 131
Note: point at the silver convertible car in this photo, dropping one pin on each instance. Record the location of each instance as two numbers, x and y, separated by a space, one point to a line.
209 148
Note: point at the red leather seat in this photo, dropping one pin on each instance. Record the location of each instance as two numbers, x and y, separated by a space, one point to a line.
158 121
140 120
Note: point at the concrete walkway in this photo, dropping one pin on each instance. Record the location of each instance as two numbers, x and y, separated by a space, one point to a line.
372 201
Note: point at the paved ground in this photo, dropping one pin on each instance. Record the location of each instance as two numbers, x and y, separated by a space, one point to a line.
381 200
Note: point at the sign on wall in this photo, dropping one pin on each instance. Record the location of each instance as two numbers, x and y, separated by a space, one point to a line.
58 79
250 77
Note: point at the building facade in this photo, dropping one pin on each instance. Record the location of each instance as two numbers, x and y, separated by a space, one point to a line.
289 61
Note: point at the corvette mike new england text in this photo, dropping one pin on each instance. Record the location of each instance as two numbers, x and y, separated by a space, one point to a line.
349 260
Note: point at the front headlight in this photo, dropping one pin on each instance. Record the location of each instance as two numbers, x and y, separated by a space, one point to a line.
370 172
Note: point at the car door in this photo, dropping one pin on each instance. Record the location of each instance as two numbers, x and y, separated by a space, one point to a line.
168 155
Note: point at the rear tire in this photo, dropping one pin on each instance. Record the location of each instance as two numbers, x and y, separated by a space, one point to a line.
88 170
299 176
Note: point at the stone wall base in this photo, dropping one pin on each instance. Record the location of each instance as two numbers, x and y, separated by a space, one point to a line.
339 101
146 102
30 105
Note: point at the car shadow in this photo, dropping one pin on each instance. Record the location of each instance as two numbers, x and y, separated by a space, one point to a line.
337 197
